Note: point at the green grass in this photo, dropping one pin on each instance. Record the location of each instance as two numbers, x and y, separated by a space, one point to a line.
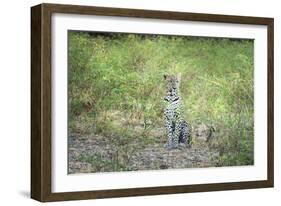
116 88
100 164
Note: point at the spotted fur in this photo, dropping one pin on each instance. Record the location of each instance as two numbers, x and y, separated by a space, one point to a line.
184 135
178 130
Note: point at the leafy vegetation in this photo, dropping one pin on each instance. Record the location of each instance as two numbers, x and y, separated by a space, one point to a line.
116 89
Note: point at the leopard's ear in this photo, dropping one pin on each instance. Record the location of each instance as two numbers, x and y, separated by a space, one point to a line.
179 77
165 76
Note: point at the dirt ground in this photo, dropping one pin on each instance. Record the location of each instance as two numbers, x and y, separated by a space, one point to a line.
94 153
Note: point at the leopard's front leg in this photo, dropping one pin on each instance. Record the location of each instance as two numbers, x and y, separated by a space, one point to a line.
169 131
170 127
176 134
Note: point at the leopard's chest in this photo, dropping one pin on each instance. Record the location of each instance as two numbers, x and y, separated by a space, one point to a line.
172 110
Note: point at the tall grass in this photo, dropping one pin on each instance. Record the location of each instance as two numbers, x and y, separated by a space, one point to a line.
116 87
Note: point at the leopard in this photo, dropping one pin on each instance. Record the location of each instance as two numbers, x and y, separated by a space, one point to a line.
178 130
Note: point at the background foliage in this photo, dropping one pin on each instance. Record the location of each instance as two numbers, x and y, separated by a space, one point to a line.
116 88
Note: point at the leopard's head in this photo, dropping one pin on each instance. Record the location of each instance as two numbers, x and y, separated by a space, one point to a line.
172 86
